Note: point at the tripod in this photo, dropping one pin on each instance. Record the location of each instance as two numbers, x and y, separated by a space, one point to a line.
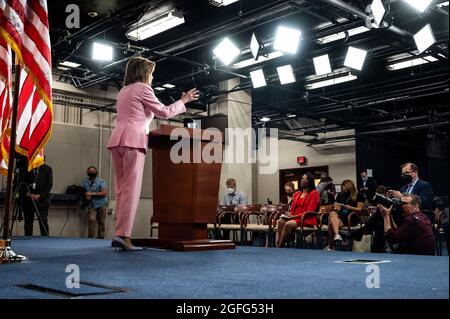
22 190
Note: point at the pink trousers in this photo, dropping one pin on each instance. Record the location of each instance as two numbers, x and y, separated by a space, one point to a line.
129 168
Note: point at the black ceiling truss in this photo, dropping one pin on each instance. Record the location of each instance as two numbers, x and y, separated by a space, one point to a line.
376 99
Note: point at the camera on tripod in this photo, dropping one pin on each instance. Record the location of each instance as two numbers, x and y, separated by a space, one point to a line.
386 201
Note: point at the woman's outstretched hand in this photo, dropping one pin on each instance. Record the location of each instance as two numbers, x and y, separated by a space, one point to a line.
190 96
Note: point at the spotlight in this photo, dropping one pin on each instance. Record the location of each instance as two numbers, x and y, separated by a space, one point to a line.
102 52
258 78
419 5
226 51
287 40
378 11
424 38
355 58
255 47
286 74
322 64
265 119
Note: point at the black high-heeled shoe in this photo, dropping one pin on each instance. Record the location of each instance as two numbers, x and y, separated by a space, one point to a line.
118 242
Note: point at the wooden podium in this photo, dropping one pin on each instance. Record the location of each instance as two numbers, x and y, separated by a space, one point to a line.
184 194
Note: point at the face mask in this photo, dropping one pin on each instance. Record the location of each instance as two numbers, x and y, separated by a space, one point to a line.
407 178
230 190
92 175
289 194
304 184
364 179
346 192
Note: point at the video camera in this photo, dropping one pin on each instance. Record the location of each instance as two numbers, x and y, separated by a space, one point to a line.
386 201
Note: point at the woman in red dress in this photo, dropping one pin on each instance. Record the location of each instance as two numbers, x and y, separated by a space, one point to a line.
306 200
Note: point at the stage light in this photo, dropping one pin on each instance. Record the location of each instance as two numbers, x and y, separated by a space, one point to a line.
322 64
249 62
160 89
226 51
287 40
265 119
169 86
420 5
424 38
341 35
147 28
286 74
70 64
443 4
291 116
393 66
258 78
102 52
255 47
355 58
378 11
327 81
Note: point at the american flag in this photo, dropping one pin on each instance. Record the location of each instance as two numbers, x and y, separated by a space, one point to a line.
5 103
24 26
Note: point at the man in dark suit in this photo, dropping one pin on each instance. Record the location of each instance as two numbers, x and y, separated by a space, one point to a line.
39 182
367 186
413 185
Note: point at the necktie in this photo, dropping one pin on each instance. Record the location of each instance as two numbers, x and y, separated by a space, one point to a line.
410 188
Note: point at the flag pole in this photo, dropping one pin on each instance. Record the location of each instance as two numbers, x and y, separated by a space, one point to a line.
6 253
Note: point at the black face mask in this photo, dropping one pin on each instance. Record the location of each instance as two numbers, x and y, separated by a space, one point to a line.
346 192
407 178
289 194
92 175
304 184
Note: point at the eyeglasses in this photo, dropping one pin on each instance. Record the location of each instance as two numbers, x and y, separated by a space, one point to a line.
406 203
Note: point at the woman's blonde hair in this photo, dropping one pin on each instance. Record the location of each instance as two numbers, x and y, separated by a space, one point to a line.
138 70
352 188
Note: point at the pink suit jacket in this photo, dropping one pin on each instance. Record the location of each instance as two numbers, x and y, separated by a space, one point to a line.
137 105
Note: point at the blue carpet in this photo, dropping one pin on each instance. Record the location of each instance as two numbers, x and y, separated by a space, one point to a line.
243 273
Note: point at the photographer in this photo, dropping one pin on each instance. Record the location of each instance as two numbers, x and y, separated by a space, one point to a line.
96 201
36 187
415 234
414 185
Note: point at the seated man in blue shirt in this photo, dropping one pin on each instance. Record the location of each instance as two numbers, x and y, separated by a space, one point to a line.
232 197
97 201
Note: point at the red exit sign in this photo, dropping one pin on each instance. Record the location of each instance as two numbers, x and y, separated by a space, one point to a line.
301 160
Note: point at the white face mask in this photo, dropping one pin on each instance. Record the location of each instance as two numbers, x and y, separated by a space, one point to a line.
230 190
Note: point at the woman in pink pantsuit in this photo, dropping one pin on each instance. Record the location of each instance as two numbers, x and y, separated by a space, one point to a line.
137 105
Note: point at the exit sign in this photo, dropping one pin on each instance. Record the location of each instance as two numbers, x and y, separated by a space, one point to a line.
301 160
